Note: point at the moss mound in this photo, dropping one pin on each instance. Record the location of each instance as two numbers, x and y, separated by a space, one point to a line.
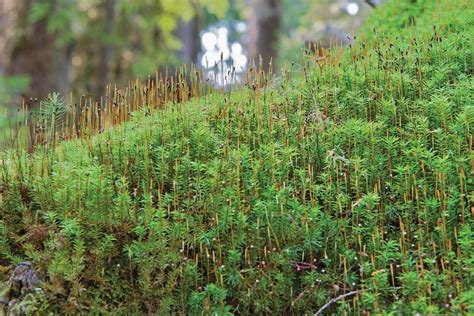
353 175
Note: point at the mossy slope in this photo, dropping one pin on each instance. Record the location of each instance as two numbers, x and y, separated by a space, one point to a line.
355 175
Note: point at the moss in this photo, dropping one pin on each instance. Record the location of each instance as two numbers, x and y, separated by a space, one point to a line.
354 175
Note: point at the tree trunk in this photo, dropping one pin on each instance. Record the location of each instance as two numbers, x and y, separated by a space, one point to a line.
264 24
106 50
34 53
8 11
188 33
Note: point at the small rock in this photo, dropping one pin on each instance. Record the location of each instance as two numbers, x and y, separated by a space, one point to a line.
23 279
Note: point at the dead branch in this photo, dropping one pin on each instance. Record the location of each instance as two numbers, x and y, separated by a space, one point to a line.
334 300
370 3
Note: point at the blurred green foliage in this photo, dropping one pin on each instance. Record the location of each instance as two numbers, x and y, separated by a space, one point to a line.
141 30
10 86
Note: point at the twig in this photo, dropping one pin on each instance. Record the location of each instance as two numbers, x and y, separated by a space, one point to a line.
298 298
369 2
334 300
341 297
302 265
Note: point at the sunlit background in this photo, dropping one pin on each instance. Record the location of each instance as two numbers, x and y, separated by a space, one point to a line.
322 22
77 47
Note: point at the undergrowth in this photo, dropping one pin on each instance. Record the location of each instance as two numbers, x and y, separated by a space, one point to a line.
354 174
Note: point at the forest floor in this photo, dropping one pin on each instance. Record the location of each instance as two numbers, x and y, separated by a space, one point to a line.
345 187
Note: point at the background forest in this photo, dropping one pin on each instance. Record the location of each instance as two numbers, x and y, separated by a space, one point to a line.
80 46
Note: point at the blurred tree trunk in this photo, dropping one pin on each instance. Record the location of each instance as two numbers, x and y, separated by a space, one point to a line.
264 25
34 53
188 33
7 21
106 49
